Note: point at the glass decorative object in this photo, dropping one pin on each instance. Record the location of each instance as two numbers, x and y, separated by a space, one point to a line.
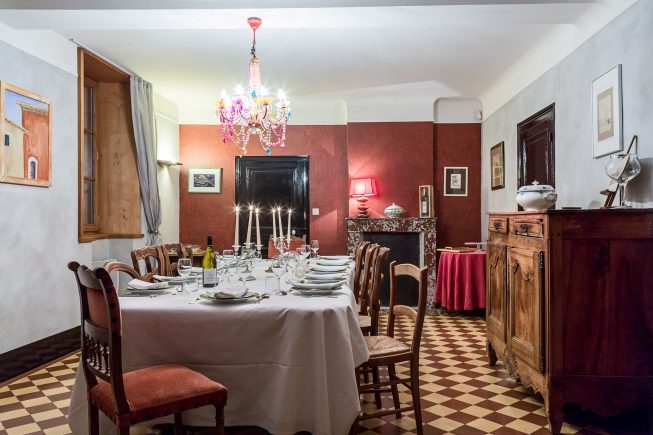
622 168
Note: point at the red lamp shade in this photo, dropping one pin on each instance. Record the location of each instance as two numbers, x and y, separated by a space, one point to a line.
363 187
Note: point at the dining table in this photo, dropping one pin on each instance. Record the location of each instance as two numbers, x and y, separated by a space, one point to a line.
288 360
461 280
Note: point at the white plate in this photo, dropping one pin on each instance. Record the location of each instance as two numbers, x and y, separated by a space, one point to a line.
175 279
327 262
314 291
152 291
325 276
336 257
317 286
320 268
249 296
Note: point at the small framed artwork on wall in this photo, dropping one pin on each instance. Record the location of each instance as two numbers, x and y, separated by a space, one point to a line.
205 180
455 181
607 113
497 165
426 201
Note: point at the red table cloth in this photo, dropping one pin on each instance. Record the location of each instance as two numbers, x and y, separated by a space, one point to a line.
461 280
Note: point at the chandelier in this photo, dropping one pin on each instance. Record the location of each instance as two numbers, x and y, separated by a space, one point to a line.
253 113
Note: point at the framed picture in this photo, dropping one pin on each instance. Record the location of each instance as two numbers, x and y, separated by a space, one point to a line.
607 113
455 181
26 137
205 180
426 201
497 164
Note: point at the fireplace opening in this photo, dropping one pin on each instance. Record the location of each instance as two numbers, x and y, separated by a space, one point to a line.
404 248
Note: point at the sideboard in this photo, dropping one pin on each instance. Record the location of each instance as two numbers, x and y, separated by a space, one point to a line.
570 306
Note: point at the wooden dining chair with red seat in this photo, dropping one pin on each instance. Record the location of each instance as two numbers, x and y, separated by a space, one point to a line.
385 350
137 396
152 258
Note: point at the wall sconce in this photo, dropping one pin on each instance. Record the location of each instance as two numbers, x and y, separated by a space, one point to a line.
168 163
361 188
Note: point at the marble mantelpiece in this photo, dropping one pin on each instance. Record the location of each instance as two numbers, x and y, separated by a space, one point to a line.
426 227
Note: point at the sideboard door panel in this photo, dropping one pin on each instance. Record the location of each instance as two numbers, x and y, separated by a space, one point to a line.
525 279
496 290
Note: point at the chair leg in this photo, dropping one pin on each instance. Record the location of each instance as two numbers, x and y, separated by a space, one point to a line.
179 428
414 387
93 419
219 419
376 379
395 391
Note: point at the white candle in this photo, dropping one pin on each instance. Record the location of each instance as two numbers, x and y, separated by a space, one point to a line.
274 224
280 224
289 215
249 225
258 230
237 225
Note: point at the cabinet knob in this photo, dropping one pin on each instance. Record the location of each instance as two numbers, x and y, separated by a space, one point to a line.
497 225
525 228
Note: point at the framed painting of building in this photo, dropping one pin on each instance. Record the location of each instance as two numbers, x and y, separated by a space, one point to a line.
26 132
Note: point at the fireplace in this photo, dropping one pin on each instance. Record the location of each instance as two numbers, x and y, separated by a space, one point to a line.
414 241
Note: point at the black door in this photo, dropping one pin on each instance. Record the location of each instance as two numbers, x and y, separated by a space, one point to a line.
536 143
268 182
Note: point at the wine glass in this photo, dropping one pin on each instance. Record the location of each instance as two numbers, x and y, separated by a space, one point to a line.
307 250
315 245
622 168
184 267
278 267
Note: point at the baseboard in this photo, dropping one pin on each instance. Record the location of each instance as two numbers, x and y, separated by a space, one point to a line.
33 355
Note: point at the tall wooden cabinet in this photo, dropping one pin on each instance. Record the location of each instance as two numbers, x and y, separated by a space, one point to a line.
570 306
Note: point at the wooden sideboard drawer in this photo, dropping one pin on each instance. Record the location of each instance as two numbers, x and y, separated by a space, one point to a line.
528 227
498 225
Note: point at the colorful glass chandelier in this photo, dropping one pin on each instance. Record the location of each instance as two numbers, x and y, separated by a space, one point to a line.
252 113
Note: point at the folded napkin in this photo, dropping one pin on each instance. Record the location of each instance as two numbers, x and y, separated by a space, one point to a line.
322 268
231 292
325 276
328 262
144 285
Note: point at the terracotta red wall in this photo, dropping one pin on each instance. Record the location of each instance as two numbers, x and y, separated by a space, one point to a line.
459 217
200 146
398 154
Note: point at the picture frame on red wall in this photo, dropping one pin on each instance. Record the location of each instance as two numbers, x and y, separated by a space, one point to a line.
426 209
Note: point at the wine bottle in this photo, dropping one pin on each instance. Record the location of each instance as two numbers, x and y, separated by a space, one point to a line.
425 202
209 270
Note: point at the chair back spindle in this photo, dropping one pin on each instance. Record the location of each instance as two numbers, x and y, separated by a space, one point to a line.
370 255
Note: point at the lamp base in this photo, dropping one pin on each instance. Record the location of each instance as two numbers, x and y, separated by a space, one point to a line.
362 207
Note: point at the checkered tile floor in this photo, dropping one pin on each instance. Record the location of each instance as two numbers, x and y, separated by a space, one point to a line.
460 394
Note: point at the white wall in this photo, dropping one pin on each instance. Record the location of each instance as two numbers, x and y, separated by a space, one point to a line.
38 296
628 40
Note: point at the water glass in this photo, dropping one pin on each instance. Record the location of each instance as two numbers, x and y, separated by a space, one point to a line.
184 267
315 245
272 285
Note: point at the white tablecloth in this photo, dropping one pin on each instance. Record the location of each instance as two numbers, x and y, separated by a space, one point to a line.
287 361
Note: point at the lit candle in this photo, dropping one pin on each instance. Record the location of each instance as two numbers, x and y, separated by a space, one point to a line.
289 215
258 230
237 225
249 225
280 224
274 224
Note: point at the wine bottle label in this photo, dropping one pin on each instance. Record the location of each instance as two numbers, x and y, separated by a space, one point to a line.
209 277
425 207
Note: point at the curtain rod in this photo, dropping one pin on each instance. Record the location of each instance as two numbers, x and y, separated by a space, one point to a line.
104 58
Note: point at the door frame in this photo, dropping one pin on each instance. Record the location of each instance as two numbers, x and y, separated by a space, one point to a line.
521 127
303 157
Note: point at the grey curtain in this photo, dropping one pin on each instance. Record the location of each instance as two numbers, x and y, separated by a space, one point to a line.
145 135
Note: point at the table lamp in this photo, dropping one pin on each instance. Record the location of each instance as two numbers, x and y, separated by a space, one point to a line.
361 189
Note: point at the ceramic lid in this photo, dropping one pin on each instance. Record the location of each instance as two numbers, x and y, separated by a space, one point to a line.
395 208
536 187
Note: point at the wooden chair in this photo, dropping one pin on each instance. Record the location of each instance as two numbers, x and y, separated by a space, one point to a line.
172 249
386 351
359 257
117 266
152 257
140 395
370 255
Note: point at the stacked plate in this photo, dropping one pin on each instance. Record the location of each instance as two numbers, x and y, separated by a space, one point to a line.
139 287
230 295
313 287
